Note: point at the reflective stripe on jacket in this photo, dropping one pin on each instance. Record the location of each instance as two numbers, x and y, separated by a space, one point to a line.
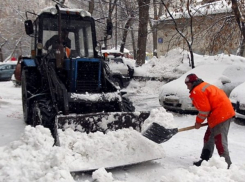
212 103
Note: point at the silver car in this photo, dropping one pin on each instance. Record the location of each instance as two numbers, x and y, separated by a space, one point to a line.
174 96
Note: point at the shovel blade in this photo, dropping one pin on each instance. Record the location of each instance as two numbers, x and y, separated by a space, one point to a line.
158 133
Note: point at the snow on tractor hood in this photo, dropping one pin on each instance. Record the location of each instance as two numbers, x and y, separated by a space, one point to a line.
96 97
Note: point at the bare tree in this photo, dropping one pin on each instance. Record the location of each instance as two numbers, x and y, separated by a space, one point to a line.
129 13
157 11
91 7
201 28
1 45
238 8
189 36
12 15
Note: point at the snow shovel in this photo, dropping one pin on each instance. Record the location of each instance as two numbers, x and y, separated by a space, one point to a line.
160 134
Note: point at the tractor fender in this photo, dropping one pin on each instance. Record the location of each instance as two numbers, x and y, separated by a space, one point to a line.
23 62
17 71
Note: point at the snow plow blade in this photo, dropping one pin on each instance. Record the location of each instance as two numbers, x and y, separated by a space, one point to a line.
102 122
119 142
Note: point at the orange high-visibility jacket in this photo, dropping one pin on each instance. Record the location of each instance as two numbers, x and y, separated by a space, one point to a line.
212 103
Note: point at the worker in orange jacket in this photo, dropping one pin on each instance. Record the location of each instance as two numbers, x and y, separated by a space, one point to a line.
212 104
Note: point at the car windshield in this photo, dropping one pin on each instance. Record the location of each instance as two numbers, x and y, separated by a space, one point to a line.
5 66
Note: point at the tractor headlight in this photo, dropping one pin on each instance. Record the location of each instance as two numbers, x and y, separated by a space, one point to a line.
97 48
53 11
39 46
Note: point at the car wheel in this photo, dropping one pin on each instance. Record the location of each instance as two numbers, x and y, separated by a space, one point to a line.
130 71
118 82
43 113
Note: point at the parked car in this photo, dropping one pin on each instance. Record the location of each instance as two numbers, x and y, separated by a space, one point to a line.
174 96
7 70
118 65
237 98
120 71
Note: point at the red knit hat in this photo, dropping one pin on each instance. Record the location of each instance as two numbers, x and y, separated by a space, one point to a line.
191 78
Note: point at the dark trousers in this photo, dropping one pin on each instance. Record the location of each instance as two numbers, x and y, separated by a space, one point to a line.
217 136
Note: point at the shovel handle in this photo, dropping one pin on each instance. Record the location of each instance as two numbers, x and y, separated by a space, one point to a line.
191 127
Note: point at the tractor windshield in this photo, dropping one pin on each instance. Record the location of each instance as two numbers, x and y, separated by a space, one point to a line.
76 34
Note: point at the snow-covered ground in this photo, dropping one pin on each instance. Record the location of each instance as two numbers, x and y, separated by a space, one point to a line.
26 153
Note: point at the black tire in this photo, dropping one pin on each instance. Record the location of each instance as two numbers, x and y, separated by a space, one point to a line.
130 71
28 86
127 105
43 113
117 82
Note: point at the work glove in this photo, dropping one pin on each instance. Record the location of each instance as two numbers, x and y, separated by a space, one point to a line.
197 125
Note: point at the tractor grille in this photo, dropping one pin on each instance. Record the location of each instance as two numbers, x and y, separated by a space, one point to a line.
87 77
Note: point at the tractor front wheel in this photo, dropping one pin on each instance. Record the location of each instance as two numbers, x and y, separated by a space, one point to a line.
44 114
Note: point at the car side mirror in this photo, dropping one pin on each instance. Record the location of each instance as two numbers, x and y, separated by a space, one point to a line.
29 27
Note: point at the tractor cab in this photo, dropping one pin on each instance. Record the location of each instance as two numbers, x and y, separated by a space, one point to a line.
78 25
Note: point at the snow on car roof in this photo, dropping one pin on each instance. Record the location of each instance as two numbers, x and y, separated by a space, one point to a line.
9 62
213 74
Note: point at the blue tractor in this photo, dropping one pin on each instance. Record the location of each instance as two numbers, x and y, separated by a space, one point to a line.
65 82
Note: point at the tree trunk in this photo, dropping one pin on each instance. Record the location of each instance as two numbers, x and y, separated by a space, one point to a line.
240 24
133 43
91 7
1 52
242 44
142 31
125 33
1 55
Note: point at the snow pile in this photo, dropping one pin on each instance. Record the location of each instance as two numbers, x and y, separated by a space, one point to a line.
177 62
101 175
33 158
215 170
161 117
116 148
165 66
